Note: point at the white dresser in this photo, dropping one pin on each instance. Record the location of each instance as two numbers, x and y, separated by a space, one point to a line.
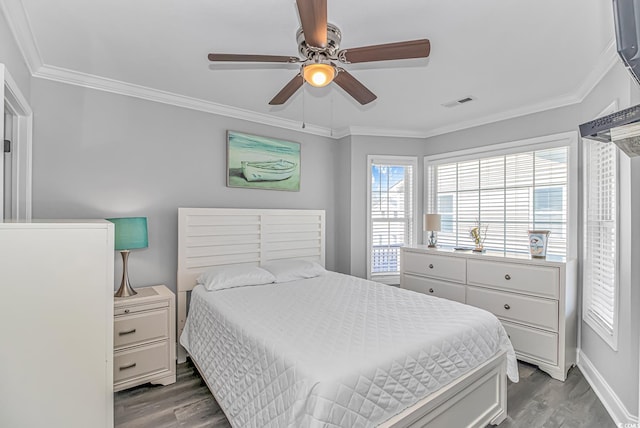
535 299
56 324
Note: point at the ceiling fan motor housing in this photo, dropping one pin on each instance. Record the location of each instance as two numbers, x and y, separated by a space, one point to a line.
334 37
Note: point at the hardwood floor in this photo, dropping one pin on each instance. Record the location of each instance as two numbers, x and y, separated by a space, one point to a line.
536 401
186 403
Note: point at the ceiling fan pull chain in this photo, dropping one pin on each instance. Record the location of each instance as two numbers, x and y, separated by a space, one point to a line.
331 117
303 98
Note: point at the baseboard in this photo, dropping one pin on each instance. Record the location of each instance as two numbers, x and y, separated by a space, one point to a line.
607 396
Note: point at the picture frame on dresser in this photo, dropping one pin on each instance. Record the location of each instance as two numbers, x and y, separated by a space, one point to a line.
535 299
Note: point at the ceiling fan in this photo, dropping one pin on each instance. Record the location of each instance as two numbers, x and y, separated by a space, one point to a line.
319 47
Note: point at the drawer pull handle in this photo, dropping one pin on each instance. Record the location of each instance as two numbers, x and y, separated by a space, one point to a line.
431 290
126 311
431 266
128 366
506 306
507 277
124 333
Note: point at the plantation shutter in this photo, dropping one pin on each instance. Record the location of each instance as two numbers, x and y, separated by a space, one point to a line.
600 249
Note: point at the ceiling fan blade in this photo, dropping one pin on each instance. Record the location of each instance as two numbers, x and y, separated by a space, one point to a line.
353 87
288 90
313 16
251 58
400 50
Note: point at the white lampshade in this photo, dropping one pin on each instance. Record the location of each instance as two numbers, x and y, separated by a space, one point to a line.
432 222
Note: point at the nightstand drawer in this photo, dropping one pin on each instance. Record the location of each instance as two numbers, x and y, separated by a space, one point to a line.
535 311
449 268
539 280
132 309
533 343
141 361
140 327
434 287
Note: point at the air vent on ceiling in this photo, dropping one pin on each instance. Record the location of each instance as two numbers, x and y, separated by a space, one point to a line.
458 102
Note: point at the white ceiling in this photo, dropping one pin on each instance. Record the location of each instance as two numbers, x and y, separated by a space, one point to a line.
513 56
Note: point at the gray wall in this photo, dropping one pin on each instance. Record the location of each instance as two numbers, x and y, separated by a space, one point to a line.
362 146
343 204
11 57
620 369
621 366
100 155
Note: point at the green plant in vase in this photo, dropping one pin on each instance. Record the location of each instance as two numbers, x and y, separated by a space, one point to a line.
479 234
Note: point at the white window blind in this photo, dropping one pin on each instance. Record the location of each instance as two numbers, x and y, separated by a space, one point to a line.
391 214
510 193
600 239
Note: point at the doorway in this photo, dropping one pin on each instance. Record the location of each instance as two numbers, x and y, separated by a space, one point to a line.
15 166
7 166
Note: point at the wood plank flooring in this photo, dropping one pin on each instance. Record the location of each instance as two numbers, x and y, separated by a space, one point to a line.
536 401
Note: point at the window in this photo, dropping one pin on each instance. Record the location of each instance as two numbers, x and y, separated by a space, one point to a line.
392 216
511 193
600 295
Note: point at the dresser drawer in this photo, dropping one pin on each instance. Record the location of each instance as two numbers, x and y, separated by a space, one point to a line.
531 310
141 361
538 280
449 268
434 287
140 327
532 343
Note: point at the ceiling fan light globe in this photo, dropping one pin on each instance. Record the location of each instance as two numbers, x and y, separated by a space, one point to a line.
319 79
318 75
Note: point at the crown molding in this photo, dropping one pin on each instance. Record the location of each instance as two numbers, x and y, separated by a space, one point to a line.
385 132
606 61
129 89
20 26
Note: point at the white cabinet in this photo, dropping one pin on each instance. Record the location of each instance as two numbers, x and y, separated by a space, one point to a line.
56 314
534 298
145 338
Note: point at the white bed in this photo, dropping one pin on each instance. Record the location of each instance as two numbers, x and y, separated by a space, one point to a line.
333 350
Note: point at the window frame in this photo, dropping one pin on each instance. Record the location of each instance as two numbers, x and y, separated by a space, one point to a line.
594 322
391 160
565 139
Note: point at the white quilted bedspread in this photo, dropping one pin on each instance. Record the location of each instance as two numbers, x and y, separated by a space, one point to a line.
333 351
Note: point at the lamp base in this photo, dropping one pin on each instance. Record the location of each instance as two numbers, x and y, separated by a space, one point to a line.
125 289
432 240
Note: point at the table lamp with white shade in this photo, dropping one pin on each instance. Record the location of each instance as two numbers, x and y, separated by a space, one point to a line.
130 234
432 223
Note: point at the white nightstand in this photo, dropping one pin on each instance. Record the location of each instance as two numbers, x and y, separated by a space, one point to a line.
144 338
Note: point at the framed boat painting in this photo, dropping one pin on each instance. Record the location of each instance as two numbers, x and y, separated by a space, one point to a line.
262 163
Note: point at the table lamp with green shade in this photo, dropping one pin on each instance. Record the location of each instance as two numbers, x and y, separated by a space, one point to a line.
130 234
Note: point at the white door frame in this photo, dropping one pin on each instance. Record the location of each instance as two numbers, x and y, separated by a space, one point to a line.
21 145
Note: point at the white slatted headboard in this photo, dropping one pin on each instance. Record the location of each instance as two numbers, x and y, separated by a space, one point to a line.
210 237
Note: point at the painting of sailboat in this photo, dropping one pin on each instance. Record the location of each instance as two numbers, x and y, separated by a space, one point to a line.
262 162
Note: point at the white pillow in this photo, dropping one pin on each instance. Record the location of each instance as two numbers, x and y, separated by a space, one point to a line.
220 278
290 270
